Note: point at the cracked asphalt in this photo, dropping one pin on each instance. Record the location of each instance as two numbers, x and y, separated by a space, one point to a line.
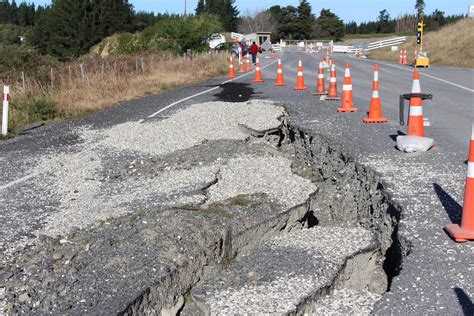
436 276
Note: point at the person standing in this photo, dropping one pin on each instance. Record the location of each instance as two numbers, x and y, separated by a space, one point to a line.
254 51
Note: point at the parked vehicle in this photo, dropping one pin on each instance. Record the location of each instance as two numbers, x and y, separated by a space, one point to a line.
234 47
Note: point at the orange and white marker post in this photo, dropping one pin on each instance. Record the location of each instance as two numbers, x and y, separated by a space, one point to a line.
241 63
247 66
347 105
465 231
320 87
300 77
258 73
332 94
375 110
280 82
6 101
416 126
231 69
400 60
405 57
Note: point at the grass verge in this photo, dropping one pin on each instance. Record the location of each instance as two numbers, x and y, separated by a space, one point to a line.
94 84
449 46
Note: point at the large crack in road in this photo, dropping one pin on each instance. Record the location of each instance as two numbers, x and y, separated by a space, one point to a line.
165 211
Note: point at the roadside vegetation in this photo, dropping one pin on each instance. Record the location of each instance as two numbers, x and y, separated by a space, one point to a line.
74 57
449 46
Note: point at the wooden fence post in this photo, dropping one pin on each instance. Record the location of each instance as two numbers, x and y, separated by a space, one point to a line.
82 71
52 78
142 64
23 81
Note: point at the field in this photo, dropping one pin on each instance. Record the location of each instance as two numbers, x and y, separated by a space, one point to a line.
94 83
449 46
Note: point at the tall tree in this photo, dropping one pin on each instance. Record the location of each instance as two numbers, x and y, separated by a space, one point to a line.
68 28
305 20
331 25
201 7
383 21
420 9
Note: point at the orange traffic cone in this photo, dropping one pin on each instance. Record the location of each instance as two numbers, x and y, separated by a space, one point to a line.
279 81
415 118
400 61
258 73
347 105
320 88
300 78
241 63
375 111
405 57
332 94
247 66
231 69
465 231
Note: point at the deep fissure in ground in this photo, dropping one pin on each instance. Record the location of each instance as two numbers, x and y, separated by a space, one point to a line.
349 194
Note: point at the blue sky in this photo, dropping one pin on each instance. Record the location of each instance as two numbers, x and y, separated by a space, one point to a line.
357 10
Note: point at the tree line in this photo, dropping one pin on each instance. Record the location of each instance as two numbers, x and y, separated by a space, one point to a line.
295 23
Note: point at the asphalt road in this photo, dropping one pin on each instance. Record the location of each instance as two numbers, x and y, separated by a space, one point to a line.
437 275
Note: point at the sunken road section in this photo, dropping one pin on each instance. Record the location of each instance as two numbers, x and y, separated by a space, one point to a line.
221 215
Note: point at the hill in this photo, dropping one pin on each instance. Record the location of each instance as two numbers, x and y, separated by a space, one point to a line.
449 46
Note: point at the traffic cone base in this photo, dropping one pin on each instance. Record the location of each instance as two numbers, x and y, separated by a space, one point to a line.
347 110
328 98
458 234
280 84
320 93
301 88
375 120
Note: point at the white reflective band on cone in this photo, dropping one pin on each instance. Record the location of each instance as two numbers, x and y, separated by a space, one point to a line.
300 73
300 63
320 76
231 66
470 169
332 79
279 62
416 110
347 73
472 133
375 94
347 87
257 68
376 76
416 87
279 71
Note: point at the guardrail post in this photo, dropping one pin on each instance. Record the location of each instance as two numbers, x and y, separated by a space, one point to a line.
6 99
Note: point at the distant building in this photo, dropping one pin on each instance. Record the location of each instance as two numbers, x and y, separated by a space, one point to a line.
258 37
470 11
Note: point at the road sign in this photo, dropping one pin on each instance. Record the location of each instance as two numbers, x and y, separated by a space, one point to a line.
266 45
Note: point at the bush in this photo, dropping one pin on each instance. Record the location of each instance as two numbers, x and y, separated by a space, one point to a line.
180 33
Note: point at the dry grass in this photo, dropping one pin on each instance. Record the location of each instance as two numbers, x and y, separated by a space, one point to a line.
450 46
105 83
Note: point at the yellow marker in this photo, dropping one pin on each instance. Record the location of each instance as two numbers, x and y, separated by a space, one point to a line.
422 59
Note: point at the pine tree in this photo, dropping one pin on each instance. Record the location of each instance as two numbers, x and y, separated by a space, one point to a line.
201 7
420 9
305 20
331 25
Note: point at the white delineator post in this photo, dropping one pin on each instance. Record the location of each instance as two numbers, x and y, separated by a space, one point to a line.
6 98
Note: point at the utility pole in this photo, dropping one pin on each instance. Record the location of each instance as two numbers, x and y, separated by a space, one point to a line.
185 5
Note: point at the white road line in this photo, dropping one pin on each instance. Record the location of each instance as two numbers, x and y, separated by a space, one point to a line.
206 91
139 121
6 186
424 74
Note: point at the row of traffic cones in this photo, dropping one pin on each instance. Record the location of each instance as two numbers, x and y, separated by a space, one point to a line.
403 59
242 68
460 233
